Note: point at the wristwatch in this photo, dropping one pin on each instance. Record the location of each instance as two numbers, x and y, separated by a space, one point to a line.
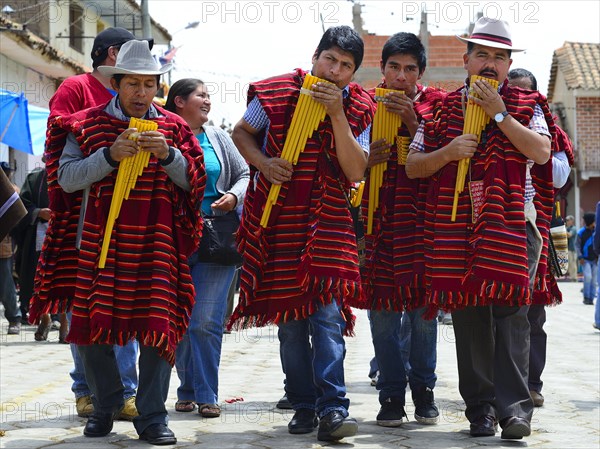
499 117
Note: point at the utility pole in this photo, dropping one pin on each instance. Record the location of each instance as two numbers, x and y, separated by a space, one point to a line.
146 27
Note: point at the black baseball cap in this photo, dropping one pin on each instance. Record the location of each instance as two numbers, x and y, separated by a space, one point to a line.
111 37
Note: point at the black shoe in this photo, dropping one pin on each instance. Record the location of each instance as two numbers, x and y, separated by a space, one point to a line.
98 425
426 412
483 426
333 426
304 421
158 434
515 428
588 302
391 413
284 403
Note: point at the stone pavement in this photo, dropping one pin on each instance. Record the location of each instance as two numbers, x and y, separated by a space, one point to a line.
37 409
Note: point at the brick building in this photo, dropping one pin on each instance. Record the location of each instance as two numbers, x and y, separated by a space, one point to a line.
444 58
574 94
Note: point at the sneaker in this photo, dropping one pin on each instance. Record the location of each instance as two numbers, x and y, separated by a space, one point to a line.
14 328
84 406
55 326
588 301
391 413
596 326
128 411
426 412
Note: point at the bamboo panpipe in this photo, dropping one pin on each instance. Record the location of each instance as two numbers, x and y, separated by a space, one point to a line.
129 170
475 121
385 126
305 121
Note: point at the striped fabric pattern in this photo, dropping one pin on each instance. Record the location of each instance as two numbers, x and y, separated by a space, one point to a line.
393 273
307 253
483 262
145 291
546 290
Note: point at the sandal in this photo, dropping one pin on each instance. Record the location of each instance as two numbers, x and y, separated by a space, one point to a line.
185 406
209 410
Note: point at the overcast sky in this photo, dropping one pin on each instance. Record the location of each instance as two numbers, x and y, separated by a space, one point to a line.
238 42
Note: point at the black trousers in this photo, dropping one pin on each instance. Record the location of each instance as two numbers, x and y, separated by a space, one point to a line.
492 349
104 380
537 347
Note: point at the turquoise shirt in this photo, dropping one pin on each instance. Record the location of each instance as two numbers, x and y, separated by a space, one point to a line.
213 171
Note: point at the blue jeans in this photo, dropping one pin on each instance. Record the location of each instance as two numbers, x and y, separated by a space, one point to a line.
8 292
199 352
589 278
126 362
386 330
597 312
315 374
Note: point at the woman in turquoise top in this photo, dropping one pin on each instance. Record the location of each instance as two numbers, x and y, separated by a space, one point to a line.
199 353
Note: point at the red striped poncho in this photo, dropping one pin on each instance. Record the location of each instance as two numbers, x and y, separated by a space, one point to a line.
393 273
307 253
145 291
470 264
548 292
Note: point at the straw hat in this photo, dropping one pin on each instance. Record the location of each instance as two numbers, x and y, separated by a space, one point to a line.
134 58
491 33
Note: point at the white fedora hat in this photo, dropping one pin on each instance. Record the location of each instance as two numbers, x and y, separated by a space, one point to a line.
491 33
134 58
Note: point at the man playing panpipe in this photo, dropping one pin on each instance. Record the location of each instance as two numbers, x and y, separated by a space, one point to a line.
393 273
478 265
300 270
145 291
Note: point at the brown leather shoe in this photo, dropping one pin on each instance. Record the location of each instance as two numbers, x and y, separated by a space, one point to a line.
538 398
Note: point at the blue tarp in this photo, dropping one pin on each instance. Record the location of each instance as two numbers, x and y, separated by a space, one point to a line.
22 126
38 121
14 121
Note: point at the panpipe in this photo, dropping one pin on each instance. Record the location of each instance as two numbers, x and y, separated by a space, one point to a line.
129 170
385 126
356 194
402 144
308 114
475 121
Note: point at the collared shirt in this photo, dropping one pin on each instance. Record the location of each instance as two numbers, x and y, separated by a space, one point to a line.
257 118
537 124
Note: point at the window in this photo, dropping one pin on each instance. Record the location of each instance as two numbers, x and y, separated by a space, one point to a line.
76 27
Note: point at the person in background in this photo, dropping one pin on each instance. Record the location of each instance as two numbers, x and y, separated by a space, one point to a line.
30 236
587 257
536 315
571 238
199 352
597 251
73 95
301 268
8 291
